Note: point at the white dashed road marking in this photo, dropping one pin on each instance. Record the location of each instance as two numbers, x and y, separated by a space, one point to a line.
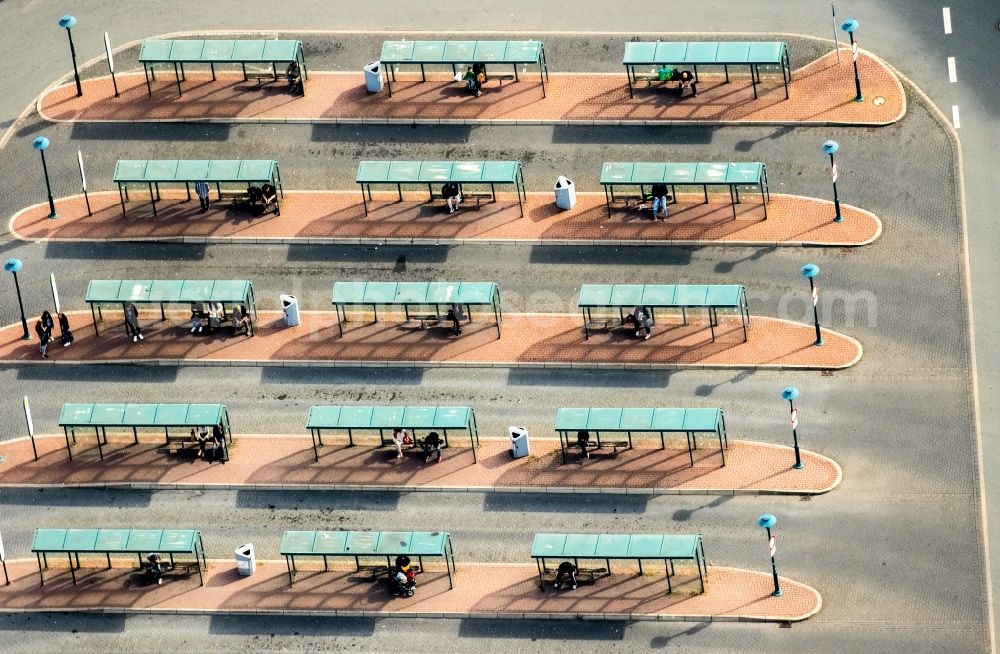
952 75
947 19
954 116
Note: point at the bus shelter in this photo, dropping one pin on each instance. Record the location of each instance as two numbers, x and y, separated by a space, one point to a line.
387 418
149 417
441 172
138 542
369 544
621 547
176 53
710 297
153 172
662 421
168 291
461 53
732 175
752 54
417 294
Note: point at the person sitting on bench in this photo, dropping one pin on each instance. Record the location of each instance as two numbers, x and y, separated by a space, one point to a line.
198 317
565 576
269 196
154 572
294 78
254 197
432 447
686 80
583 440
660 199
453 194
471 80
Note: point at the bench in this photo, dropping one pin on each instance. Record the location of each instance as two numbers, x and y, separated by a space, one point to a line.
176 442
237 197
262 75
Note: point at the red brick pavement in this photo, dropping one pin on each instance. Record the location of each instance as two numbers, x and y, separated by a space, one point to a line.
821 92
481 590
528 339
339 216
288 461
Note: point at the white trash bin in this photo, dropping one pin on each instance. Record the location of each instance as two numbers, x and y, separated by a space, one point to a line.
373 77
565 193
289 310
519 445
246 560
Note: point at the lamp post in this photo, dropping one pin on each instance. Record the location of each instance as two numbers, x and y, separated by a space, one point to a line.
791 393
809 271
12 266
765 522
40 144
850 26
67 22
830 148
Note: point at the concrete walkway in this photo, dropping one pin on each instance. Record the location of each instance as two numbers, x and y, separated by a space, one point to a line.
482 590
338 217
820 93
529 340
266 462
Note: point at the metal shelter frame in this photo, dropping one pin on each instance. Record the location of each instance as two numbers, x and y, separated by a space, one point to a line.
711 297
74 542
689 422
168 291
703 174
621 547
219 51
440 172
455 53
153 172
356 544
382 418
416 294
100 417
752 54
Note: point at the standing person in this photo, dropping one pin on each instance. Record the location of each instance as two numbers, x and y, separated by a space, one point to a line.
399 438
132 327
219 444
644 322
44 336
47 323
66 335
583 440
432 447
201 188
660 198
453 194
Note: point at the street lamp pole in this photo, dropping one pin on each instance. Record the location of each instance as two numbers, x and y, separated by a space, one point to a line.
40 144
809 271
67 22
12 266
830 148
790 394
766 522
850 26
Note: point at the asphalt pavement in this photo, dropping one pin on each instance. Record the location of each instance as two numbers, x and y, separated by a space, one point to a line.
895 550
